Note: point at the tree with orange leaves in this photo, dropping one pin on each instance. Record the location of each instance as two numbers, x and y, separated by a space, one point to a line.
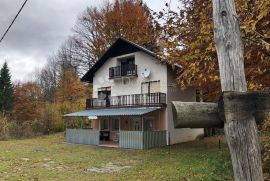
70 92
98 28
28 105
187 39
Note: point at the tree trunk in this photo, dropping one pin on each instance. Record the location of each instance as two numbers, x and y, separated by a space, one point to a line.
241 133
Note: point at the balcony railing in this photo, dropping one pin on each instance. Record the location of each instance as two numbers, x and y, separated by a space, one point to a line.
134 100
122 71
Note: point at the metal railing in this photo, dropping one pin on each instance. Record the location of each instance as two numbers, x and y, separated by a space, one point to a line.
133 100
121 71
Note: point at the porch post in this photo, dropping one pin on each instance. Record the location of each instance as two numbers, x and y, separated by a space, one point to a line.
142 123
120 121
81 122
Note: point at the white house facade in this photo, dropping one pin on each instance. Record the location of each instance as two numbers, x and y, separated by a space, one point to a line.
131 102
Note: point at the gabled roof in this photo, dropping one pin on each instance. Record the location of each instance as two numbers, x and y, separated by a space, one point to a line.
118 48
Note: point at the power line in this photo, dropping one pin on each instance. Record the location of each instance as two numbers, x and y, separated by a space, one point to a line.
13 20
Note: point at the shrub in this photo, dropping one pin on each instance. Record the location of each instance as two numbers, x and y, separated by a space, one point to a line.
51 119
25 129
3 127
38 127
265 125
12 128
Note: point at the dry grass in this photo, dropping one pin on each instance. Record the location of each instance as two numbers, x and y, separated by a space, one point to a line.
48 158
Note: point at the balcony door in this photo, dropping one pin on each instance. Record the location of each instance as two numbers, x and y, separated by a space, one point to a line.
104 95
127 66
147 89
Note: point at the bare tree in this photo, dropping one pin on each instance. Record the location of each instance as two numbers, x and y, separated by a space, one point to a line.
46 78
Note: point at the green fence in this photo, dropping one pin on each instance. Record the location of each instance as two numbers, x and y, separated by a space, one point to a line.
82 136
142 139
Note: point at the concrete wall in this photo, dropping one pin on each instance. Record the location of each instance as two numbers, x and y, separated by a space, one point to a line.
127 86
174 93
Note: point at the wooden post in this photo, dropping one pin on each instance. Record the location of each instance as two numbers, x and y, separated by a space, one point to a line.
241 133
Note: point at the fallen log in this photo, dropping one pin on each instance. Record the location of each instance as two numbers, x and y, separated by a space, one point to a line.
231 106
196 115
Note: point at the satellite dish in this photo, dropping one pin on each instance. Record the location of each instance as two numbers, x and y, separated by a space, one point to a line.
146 73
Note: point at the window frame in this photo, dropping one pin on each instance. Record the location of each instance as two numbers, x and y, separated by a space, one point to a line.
113 124
108 124
149 85
152 119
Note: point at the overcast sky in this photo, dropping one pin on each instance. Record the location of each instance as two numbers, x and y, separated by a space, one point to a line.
40 29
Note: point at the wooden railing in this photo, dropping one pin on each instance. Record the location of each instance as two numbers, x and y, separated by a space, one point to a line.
121 71
133 100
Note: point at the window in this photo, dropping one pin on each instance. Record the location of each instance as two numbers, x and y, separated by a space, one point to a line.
136 124
115 125
104 124
150 87
128 61
148 124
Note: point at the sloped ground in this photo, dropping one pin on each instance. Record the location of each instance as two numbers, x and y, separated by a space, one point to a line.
48 158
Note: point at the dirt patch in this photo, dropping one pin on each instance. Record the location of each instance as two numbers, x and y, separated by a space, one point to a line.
51 165
108 168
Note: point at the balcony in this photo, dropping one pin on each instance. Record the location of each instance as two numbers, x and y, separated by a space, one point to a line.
122 71
133 100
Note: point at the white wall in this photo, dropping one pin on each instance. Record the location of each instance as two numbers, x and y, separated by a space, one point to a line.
127 86
174 93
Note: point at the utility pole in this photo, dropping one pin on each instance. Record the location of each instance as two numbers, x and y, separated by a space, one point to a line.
240 129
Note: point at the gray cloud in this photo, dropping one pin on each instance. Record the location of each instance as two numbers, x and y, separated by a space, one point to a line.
39 30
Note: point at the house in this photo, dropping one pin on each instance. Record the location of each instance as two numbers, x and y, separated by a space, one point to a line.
131 104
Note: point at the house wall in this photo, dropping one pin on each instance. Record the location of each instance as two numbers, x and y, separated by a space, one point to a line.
174 93
125 124
95 124
127 86
159 118
167 78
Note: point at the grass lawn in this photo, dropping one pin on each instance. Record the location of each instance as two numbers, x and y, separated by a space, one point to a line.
48 158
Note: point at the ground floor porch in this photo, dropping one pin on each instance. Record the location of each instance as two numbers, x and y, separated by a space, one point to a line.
125 129
127 139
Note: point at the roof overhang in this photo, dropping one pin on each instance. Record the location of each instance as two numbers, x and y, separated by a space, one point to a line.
120 47
113 112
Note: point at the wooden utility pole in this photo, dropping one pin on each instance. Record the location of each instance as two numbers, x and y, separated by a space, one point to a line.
240 129
237 109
